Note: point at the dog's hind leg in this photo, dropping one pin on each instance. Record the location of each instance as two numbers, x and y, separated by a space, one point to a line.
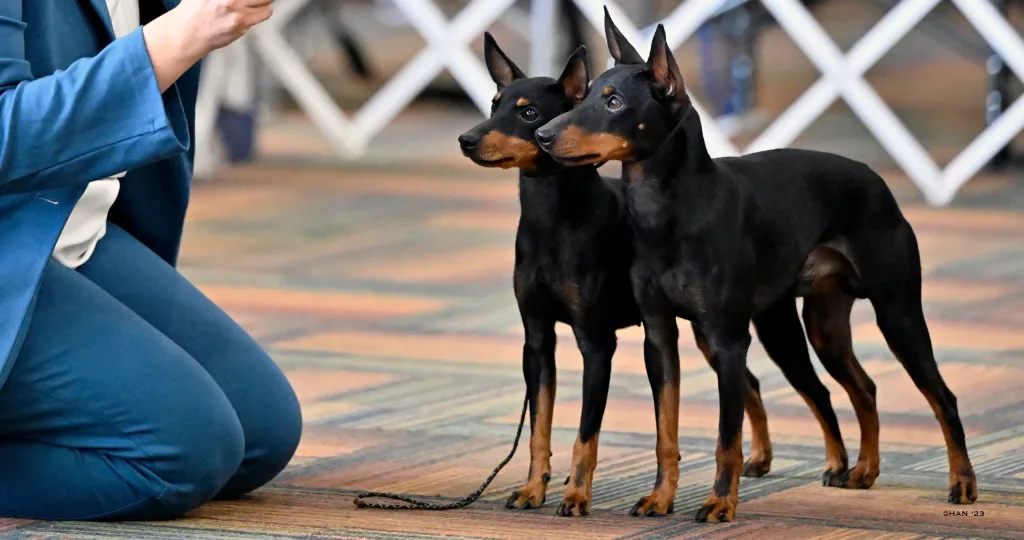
597 345
827 318
905 331
760 460
539 372
779 331
891 265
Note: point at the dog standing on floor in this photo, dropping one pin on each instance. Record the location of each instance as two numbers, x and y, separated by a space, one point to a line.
726 242
571 262
573 255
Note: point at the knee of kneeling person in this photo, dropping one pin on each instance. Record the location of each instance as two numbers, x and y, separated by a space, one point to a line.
270 445
209 452
279 448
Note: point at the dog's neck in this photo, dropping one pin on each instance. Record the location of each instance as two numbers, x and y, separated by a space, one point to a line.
677 180
667 168
545 197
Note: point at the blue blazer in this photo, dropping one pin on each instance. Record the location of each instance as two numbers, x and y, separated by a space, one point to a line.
75 106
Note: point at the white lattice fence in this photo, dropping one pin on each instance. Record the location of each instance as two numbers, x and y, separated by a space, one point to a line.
842 75
446 48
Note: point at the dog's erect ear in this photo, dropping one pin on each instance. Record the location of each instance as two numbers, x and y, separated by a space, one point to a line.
502 70
664 69
576 76
622 51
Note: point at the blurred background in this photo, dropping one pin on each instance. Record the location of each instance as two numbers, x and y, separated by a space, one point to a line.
387 80
335 218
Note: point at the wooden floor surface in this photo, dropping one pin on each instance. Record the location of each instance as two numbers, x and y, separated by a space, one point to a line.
385 295
383 290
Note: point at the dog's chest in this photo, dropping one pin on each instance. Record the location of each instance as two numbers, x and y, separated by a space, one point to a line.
685 292
674 287
550 284
562 287
648 208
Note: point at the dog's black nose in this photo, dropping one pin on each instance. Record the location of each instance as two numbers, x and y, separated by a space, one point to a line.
468 142
545 137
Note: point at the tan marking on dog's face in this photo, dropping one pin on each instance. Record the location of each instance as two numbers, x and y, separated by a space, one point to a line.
522 102
496 97
584 148
607 90
507 152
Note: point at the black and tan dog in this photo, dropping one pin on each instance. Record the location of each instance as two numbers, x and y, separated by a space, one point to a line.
572 261
726 242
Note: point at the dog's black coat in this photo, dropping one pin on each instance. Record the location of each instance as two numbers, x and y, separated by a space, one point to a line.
573 255
726 242
572 258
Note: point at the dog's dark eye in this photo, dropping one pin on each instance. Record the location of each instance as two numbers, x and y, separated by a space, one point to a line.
614 103
529 114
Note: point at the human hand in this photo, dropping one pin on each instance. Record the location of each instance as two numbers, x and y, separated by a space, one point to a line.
212 24
181 37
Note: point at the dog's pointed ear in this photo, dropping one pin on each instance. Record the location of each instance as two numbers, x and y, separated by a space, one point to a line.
622 51
664 69
501 68
575 77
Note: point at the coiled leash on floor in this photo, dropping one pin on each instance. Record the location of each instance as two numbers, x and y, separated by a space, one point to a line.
466 501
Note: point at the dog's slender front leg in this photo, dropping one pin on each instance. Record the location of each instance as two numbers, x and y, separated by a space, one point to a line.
539 372
597 347
760 460
661 358
728 346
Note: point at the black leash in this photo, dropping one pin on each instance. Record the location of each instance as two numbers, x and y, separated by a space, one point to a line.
421 505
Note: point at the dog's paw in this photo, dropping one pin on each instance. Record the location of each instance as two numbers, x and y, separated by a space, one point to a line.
532 495
833 478
756 469
963 488
861 476
523 499
653 505
716 510
576 503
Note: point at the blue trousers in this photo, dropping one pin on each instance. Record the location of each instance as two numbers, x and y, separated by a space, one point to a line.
135 397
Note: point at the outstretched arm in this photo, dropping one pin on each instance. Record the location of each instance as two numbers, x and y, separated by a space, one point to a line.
112 112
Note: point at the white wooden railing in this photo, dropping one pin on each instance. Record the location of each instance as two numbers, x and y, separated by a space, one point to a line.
842 75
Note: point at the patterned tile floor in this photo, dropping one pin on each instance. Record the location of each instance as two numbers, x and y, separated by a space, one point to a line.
385 295
384 291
